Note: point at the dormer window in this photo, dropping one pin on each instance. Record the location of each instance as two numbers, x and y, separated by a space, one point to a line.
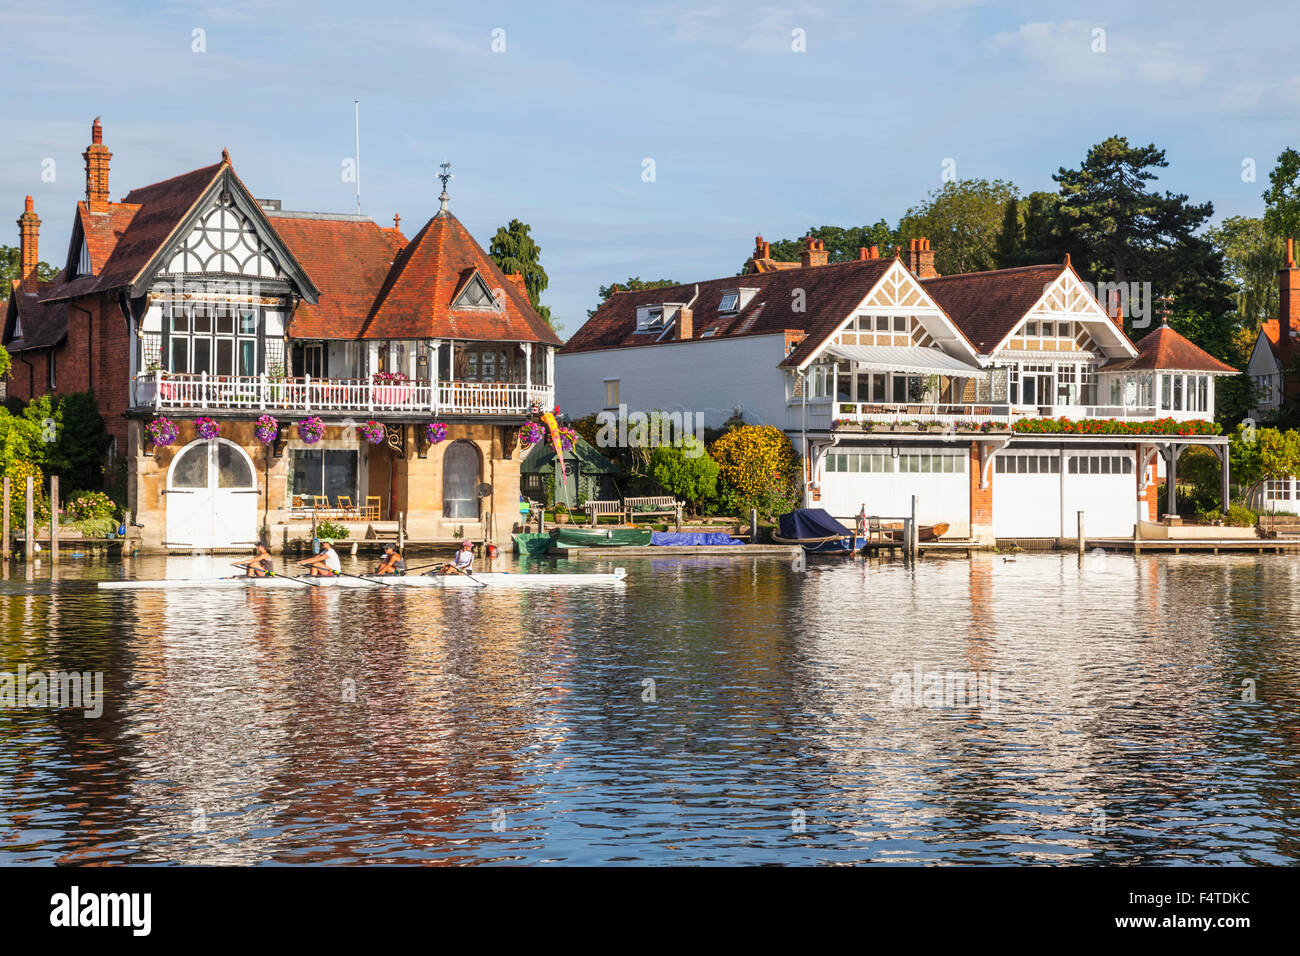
476 295
649 318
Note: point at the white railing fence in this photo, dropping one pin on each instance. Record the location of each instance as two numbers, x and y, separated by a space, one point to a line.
166 390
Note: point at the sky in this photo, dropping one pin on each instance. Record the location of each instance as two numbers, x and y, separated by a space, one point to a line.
653 139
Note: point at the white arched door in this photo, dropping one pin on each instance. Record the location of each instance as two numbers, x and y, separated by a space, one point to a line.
211 497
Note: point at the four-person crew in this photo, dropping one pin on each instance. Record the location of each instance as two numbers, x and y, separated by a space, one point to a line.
325 564
392 562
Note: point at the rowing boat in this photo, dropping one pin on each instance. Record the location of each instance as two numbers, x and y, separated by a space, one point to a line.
610 537
491 579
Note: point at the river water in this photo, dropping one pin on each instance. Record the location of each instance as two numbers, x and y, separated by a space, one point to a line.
712 710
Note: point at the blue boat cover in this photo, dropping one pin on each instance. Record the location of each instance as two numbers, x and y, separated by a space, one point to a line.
810 523
666 538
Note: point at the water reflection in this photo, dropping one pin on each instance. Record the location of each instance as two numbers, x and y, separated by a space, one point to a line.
713 710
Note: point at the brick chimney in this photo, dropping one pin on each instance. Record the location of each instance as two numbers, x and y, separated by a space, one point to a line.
873 252
920 259
1288 306
685 323
814 253
29 235
97 157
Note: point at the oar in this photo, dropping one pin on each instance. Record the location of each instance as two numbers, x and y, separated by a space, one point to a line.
468 575
344 574
268 574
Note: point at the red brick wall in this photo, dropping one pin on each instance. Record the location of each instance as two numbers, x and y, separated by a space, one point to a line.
981 499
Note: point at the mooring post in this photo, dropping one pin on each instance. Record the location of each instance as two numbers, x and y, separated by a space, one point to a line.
753 526
401 531
54 519
1082 543
7 542
29 529
916 532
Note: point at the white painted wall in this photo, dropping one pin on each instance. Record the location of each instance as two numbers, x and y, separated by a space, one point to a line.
711 377
1046 504
940 496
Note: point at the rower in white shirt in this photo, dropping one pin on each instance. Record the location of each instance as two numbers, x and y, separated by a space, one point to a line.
325 564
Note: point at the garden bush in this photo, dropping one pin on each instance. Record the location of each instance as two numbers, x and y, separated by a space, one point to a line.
757 468
330 530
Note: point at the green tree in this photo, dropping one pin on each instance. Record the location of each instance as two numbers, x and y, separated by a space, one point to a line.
842 242
515 252
633 284
6 364
1252 254
1120 231
11 267
685 472
963 222
1031 232
1282 198
1258 454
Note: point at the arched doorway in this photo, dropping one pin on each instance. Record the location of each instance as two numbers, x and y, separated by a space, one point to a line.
211 497
461 471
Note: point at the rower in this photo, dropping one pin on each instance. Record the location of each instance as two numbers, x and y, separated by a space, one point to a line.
392 561
463 563
325 564
259 565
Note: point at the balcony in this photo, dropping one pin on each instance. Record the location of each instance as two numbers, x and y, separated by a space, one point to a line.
164 391
820 413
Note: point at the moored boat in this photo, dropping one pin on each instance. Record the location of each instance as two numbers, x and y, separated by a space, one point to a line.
489 579
611 537
815 531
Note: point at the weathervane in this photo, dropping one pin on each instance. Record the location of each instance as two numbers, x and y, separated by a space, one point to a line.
446 177
1164 310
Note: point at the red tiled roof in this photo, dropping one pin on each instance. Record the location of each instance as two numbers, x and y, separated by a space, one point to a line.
830 292
348 260
1166 349
987 306
416 300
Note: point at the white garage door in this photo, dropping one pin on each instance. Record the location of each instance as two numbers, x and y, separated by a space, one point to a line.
1027 494
885 485
211 497
1102 486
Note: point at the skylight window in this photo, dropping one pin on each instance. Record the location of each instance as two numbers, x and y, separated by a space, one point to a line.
649 318
705 335
730 302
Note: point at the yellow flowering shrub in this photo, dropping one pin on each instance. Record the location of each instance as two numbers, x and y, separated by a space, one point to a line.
757 468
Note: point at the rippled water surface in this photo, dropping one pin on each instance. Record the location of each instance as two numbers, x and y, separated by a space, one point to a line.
712 710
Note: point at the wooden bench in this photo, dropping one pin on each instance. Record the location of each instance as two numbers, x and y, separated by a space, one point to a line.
653 506
595 509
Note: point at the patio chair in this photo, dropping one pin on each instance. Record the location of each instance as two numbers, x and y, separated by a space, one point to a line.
347 510
321 505
372 508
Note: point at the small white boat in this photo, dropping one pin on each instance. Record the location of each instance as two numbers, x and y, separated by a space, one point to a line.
489 579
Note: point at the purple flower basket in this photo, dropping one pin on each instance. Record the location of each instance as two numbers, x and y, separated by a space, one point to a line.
372 432
435 432
267 429
311 430
162 432
207 428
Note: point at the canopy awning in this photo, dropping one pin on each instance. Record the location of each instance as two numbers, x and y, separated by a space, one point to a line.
897 358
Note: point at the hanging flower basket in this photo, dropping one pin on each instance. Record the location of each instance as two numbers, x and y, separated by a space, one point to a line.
311 430
372 432
207 428
384 378
162 432
435 432
266 429
531 434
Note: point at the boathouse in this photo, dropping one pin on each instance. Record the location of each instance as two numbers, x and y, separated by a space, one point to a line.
1005 401
311 365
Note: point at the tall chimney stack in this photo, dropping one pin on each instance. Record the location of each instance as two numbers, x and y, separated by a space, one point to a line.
97 157
920 258
814 252
29 235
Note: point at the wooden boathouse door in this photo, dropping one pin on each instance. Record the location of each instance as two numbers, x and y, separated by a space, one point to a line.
211 497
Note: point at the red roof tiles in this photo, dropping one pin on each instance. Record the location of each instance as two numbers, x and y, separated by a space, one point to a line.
416 300
1165 349
987 306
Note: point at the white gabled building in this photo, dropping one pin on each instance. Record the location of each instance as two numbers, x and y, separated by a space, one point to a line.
893 381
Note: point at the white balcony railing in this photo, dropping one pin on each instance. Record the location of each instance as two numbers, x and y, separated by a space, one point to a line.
820 413
168 390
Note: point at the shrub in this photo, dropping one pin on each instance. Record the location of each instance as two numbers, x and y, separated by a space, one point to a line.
1239 516
17 473
95 527
329 529
757 468
685 472
82 505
